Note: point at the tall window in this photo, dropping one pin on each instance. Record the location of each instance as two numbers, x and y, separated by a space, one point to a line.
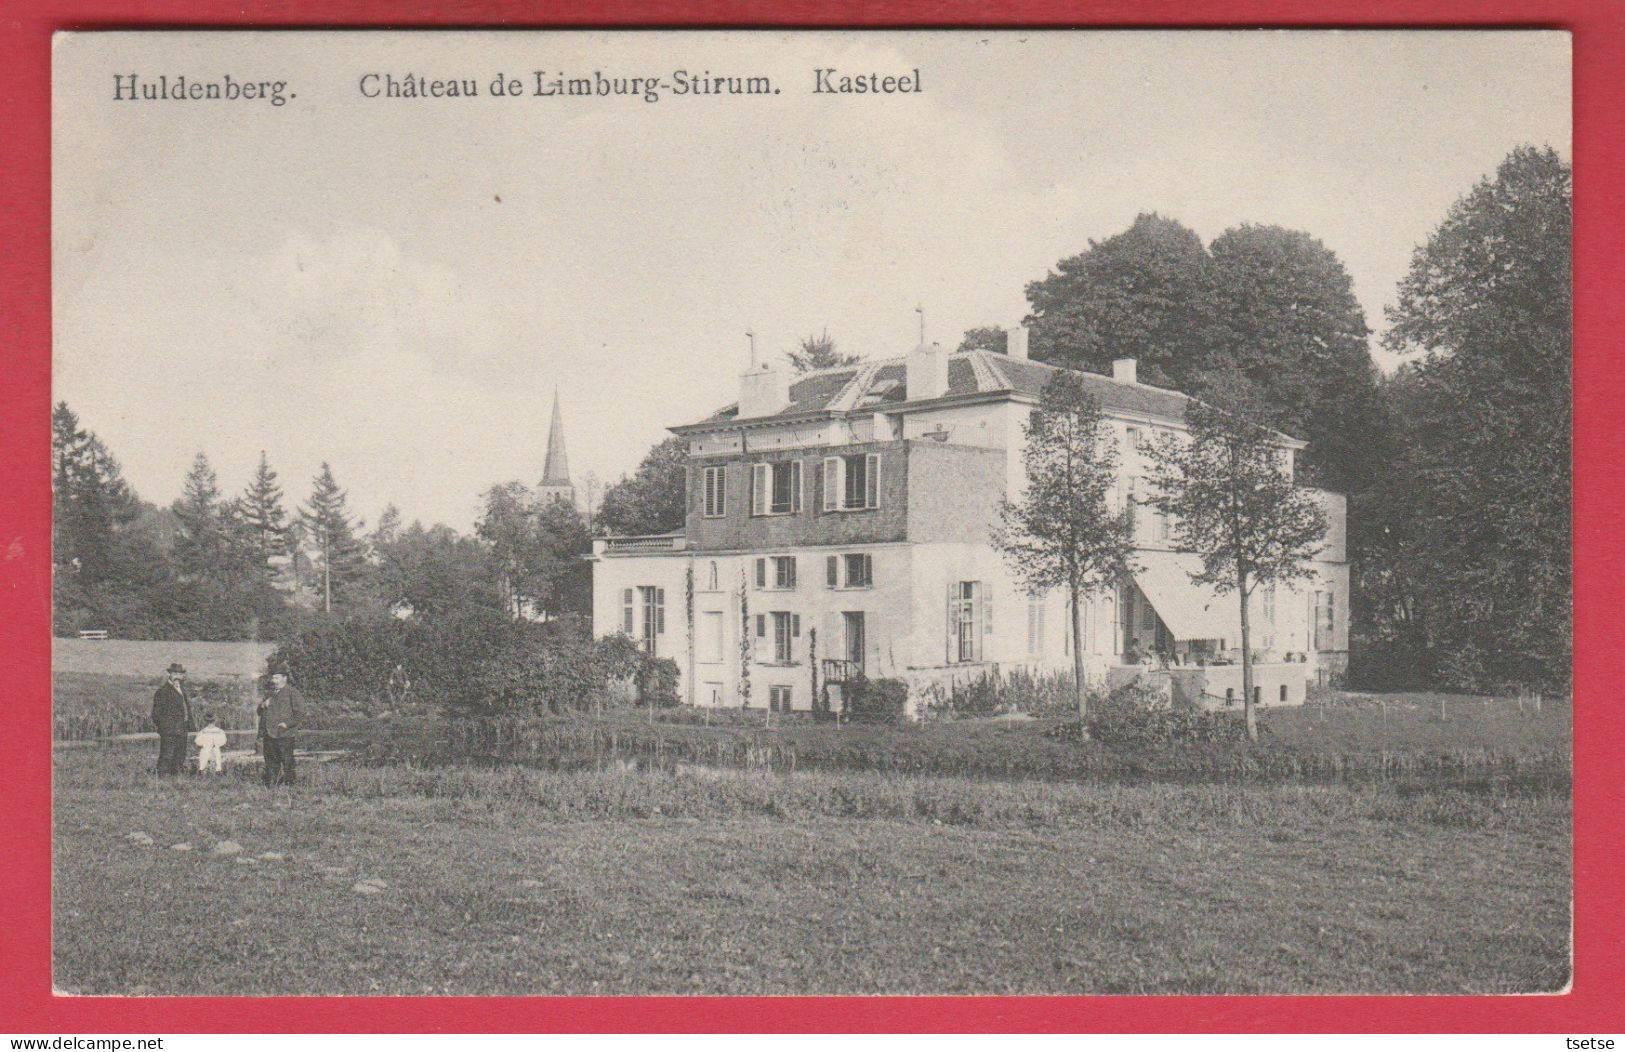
776 488
968 620
1325 620
1035 627
711 577
852 483
654 617
786 627
1266 638
715 488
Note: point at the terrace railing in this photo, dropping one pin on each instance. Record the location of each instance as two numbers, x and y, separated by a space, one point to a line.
658 542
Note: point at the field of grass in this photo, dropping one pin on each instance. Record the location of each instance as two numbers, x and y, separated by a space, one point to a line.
517 880
147 658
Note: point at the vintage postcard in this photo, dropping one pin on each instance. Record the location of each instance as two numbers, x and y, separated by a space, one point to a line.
792 513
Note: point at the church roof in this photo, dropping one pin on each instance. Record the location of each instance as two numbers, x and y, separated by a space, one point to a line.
556 472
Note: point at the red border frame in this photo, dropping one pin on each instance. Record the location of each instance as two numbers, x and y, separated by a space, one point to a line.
1596 1003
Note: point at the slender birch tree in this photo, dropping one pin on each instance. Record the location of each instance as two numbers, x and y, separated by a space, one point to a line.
1062 532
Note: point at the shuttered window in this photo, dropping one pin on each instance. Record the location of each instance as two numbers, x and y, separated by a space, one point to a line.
716 492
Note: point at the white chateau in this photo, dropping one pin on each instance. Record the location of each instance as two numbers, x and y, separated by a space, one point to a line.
838 523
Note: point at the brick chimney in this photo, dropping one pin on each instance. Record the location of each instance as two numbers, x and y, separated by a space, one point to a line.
1124 370
763 391
927 372
1016 342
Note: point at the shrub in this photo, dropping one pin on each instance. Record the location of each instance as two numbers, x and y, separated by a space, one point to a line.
657 683
1047 694
876 700
1134 716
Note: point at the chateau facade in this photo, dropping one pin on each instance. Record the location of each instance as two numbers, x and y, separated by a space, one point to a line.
838 523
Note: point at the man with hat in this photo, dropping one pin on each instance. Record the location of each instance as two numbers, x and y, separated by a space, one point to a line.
280 710
172 715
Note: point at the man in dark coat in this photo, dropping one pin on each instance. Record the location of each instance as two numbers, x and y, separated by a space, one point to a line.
172 715
280 711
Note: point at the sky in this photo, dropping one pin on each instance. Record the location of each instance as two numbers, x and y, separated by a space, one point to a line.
398 286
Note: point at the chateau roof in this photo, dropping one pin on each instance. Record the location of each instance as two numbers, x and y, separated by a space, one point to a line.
882 383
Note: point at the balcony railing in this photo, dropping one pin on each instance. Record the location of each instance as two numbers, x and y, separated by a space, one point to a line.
658 542
839 670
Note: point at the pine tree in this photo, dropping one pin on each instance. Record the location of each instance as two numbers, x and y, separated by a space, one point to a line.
339 557
202 544
91 502
265 522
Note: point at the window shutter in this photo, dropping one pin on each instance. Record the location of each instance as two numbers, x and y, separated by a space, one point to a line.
868 569
832 570
795 625
722 490
953 622
660 611
984 614
628 611
795 486
790 572
760 484
832 482
761 573
871 473
761 625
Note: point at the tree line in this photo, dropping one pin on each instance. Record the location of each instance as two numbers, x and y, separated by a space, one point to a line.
246 566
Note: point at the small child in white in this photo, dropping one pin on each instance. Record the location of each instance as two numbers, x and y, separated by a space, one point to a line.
209 741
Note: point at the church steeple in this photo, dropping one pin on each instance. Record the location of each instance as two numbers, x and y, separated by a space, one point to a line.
556 471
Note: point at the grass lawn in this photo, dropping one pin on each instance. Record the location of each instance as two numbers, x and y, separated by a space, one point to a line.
516 881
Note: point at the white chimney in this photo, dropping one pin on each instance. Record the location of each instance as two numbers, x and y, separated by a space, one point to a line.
1015 345
763 391
927 372
1123 370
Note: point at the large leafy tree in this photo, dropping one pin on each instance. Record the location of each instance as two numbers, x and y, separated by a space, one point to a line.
1062 531
1285 305
339 556
1146 293
651 500
1225 488
1483 475
537 549
434 569
986 338
818 352
1263 306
